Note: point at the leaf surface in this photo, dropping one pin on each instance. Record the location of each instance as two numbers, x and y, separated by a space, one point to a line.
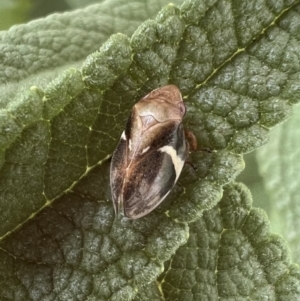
231 253
59 237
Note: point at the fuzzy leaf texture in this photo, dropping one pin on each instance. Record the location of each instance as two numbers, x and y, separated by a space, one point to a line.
232 255
237 65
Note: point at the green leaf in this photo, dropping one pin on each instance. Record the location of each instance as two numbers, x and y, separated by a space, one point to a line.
232 255
280 173
31 108
59 236
77 249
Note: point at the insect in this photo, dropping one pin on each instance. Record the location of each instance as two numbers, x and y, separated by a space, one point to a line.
151 153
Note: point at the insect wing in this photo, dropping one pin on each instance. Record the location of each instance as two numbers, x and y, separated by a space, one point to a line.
151 153
118 170
152 177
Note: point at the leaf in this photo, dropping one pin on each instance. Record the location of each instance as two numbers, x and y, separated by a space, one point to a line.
59 236
27 112
76 249
232 255
33 54
280 173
